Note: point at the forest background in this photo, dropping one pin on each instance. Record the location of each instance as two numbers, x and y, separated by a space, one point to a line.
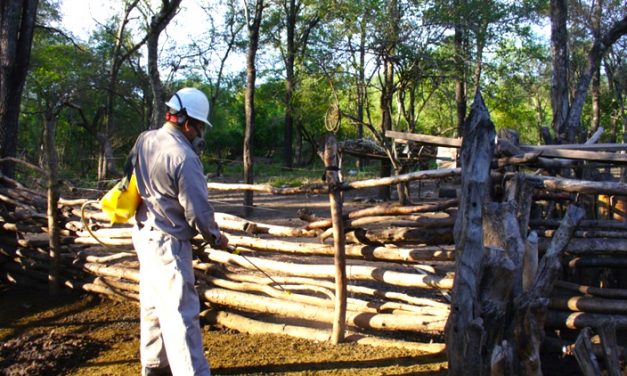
274 69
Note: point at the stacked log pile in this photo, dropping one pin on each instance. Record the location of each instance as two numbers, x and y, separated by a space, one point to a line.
400 267
391 289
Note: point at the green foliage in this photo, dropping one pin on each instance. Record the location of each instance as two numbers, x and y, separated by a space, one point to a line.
516 92
73 79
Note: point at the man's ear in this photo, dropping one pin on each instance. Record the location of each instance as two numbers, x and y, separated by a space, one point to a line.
186 126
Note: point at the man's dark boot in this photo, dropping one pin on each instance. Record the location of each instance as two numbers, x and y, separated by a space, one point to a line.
162 371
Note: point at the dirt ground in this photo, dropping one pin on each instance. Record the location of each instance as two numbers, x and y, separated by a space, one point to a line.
83 334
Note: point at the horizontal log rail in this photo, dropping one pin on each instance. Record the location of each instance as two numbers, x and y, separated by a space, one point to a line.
344 186
576 186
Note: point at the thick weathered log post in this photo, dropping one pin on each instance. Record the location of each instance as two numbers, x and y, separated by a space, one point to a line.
335 201
464 329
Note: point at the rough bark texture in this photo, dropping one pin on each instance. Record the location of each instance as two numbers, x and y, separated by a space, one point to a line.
106 165
476 156
17 22
254 25
597 51
460 68
158 23
291 11
559 78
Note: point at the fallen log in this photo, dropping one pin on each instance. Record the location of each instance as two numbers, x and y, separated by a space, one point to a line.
580 320
591 246
288 293
576 185
360 272
22 199
417 221
378 211
112 271
368 252
106 258
243 324
585 234
594 224
234 223
19 227
601 292
283 293
597 262
6 181
117 285
588 304
433 236
355 290
104 290
262 304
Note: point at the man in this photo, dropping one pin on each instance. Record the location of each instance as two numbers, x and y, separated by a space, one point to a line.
174 209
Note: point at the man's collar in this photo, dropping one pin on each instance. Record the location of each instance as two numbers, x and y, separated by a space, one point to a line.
175 131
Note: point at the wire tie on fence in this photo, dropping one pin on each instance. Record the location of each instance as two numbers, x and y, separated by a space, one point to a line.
329 168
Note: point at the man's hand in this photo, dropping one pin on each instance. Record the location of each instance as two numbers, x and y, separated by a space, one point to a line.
223 242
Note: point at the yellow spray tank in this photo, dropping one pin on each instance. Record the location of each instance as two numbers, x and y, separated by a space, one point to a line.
122 201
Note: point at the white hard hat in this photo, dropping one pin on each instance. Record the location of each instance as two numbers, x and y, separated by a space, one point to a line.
193 101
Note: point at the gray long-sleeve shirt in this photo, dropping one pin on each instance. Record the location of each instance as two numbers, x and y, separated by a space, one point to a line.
172 186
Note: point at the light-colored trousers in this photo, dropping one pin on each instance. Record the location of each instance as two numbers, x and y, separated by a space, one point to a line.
170 330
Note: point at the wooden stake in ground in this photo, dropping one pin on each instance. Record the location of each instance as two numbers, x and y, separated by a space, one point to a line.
53 198
335 201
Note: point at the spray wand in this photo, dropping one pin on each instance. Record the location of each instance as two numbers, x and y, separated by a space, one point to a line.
235 251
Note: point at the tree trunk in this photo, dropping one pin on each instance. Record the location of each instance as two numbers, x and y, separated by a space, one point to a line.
249 102
600 46
17 22
596 74
460 69
158 23
106 162
290 83
105 157
361 84
388 49
559 78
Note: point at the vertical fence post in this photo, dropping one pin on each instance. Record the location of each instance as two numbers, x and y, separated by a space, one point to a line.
53 199
335 201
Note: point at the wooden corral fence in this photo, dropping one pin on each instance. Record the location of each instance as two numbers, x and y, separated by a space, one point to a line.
401 261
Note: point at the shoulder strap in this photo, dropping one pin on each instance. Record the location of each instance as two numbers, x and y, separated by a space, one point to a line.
129 166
